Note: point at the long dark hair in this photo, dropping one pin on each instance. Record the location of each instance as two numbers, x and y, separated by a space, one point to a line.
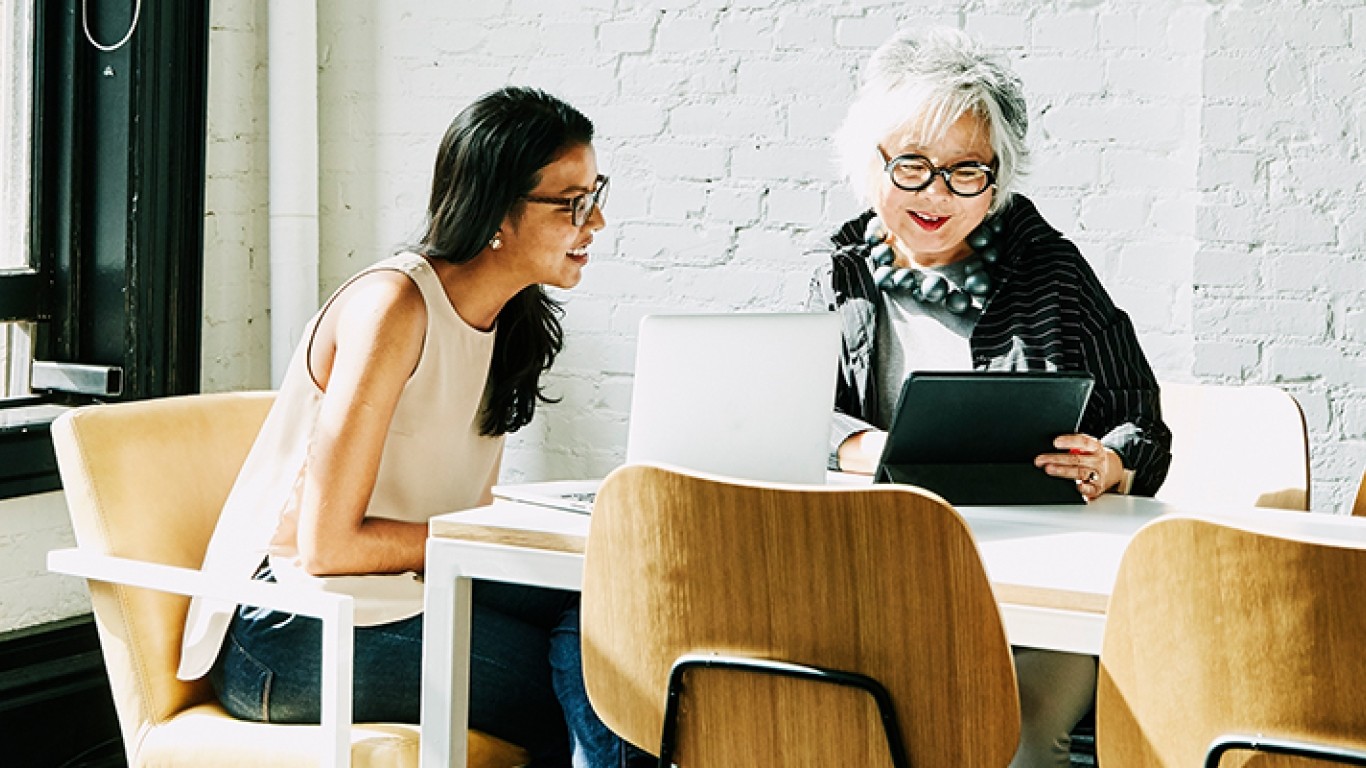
490 157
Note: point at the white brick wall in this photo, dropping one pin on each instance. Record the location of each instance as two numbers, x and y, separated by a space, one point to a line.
1205 156
30 526
1281 271
236 332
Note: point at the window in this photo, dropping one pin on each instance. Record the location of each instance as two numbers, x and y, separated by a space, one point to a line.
16 88
101 249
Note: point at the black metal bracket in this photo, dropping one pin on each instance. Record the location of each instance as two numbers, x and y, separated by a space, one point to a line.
668 739
1276 746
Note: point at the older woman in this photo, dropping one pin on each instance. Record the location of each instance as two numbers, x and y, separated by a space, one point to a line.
950 269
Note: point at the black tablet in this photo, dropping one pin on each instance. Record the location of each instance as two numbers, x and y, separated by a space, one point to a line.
971 436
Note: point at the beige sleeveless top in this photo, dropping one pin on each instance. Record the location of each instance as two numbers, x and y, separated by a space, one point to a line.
434 461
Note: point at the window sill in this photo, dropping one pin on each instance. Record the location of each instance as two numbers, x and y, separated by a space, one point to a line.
27 462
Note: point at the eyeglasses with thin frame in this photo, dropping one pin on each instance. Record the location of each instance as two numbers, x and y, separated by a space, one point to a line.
913 173
580 206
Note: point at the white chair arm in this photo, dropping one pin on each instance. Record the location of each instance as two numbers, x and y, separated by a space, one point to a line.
195 583
337 613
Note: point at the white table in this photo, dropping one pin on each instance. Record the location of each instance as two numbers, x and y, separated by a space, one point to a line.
1052 568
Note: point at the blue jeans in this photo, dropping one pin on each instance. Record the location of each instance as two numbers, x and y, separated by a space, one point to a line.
526 680
594 746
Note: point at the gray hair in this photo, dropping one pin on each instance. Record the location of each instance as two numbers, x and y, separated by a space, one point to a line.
923 80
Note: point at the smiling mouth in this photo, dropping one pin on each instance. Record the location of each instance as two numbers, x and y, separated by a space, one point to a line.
927 222
579 254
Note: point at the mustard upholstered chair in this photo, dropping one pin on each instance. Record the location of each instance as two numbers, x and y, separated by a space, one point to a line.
1224 632
1240 446
145 482
767 609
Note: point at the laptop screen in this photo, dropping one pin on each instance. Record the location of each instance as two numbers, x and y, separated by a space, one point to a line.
746 395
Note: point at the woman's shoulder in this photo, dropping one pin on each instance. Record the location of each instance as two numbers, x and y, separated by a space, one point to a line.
842 245
1024 227
1040 257
383 299
1029 242
394 281
851 232
378 314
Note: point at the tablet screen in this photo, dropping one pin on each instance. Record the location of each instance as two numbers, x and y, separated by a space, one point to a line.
977 417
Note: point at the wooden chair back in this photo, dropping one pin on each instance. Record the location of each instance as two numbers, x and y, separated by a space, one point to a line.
1214 629
1235 446
881 581
1359 506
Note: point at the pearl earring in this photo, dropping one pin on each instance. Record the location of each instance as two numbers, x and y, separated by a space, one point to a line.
496 242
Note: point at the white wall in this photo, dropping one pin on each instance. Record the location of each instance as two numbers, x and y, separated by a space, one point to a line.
1280 276
29 595
236 327
1206 156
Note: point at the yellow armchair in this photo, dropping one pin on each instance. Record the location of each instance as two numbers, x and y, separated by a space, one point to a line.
144 483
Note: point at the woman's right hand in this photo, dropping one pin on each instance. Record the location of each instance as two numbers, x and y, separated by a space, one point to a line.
860 452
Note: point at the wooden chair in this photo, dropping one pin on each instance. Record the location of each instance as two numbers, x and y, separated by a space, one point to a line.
1219 633
730 623
1235 446
145 482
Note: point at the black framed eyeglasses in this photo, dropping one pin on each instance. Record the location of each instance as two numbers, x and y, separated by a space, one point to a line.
915 172
580 206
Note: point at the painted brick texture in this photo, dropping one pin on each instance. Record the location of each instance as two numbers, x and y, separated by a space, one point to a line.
1280 272
30 526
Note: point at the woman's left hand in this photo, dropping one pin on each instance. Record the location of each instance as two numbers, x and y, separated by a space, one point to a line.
1095 468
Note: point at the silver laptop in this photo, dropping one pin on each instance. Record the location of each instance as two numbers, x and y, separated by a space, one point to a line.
746 395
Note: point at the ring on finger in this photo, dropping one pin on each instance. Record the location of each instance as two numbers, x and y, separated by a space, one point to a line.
1091 477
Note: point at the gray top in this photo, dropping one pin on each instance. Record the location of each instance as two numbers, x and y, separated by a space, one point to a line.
914 336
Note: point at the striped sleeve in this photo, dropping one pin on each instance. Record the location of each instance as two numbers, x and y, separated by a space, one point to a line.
1052 313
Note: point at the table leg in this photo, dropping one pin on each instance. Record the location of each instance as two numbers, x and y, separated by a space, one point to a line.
445 663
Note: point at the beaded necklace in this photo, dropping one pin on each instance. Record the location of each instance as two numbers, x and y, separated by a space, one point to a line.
930 287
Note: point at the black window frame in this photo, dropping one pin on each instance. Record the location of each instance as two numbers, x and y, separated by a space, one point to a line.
117 212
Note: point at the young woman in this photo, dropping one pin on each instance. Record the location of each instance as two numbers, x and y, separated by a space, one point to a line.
394 409
950 269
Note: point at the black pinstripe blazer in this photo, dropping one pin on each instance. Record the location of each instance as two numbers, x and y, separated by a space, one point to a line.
1049 312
